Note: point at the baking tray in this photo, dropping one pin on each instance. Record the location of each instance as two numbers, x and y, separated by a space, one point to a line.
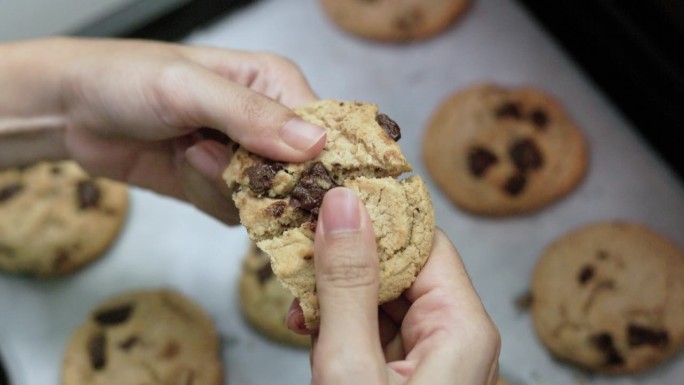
168 243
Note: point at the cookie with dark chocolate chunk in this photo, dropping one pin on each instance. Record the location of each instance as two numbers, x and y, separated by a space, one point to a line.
144 337
280 210
394 20
503 151
55 218
264 301
608 297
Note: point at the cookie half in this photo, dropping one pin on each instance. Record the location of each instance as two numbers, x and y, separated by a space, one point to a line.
279 202
144 337
54 218
264 301
609 297
504 151
394 20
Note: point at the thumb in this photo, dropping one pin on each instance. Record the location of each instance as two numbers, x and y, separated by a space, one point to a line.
347 279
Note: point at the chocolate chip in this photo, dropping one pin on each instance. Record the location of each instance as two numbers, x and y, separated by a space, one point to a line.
55 170
515 184
390 126
61 258
88 194
235 146
96 350
170 350
276 209
9 191
114 315
509 110
602 255
640 335
524 301
129 343
308 193
409 20
261 176
586 274
539 118
525 155
479 160
264 273
604 343
7 251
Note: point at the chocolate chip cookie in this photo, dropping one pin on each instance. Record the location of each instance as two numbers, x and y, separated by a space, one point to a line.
504 151
144 337
609 297
279 202
54 218
394 20
264 301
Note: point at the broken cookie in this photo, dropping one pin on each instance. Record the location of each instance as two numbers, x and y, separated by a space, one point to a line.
279 202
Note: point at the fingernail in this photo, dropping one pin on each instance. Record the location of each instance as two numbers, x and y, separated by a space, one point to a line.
301 135
340 211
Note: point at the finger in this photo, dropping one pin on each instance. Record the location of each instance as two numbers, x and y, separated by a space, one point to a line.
387 327
200 172
295 319
447 330
269 74
396 309
347 279
192 96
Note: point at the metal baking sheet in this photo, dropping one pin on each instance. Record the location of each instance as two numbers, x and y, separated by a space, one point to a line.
168 243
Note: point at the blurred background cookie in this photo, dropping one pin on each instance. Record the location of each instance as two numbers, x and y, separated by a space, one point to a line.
54 218
264 301
609 297
144 337
503 151
394 20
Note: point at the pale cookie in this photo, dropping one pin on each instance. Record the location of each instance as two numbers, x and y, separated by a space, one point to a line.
144 337
279 202
264 301
394 20
609 297
503 151
54 218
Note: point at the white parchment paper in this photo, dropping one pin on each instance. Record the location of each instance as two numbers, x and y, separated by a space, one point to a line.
168 243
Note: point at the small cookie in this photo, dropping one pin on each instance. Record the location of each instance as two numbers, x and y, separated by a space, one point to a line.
394 20
609 297
144 337
54 218
498 151
264 301
279 202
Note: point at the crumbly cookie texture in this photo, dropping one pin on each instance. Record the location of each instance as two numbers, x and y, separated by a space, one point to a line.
279 202
394 20
144 337
504 151
609 297
264 301
54 218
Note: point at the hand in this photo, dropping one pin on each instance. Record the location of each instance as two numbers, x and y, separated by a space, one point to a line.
436 333
132 110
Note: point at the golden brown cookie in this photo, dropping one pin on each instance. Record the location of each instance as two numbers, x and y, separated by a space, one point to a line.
279 202
609 297
503 151
264 301
144 337
394 20
54 218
